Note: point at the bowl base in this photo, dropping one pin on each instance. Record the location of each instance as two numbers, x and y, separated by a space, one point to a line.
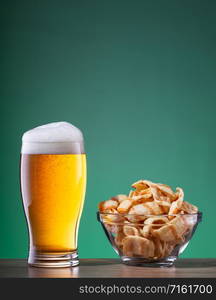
143 262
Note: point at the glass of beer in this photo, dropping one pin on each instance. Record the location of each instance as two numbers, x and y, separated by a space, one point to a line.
53 183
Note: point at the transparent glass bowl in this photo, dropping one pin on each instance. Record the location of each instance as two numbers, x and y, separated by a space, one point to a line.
139 242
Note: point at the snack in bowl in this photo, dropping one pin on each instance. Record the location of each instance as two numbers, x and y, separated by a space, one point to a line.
152 224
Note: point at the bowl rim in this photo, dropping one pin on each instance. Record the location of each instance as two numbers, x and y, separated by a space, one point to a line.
199 214
161 215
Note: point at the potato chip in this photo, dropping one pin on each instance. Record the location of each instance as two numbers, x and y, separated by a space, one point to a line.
172 231
177 204
111 228
140 185
189 208
151 223
112 216
120 197
168 248
159 248
139 212
105 206
130 230
138 246
131 194
119 236
141 199
167 191
179 225
166 233
124 206
146 231
156 221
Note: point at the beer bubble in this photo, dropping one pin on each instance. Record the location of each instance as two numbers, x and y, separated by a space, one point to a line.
53 138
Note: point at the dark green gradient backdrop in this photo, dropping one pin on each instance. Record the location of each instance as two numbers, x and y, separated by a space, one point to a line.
138 77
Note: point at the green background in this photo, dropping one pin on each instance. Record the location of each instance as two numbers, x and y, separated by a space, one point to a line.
138 77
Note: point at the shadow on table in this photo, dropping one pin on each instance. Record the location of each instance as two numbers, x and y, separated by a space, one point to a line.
73 272
53 272
179 263
100 262
195 264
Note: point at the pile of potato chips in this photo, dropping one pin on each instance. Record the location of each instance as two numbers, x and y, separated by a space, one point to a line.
149 222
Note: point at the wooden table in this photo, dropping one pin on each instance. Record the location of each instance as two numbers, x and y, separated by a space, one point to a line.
190 268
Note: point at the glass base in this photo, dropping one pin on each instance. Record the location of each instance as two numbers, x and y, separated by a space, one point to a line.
42 260
143 262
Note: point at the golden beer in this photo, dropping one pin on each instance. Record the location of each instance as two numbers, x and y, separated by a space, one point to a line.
53 191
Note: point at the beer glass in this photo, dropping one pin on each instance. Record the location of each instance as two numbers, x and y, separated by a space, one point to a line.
53 182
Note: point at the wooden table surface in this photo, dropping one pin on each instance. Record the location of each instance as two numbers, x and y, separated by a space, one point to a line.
191 268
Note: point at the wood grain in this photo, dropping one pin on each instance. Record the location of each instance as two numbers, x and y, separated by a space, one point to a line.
190 268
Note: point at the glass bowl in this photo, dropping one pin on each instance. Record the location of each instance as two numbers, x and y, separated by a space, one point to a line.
151 241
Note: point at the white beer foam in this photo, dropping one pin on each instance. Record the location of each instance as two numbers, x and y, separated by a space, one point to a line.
53 138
